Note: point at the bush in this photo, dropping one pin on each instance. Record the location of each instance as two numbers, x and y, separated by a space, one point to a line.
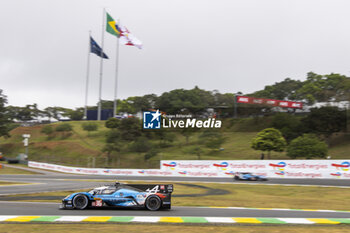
308 146
90 126
112 123
47 129
65 127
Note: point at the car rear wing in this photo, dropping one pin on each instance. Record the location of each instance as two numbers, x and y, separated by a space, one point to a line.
154 188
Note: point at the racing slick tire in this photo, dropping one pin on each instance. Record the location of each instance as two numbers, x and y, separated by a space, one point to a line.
236 178
153 203
80 202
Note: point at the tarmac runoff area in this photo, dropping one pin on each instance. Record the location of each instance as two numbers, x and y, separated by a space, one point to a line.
49 212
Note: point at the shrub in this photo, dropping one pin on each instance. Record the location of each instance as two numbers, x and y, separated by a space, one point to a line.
65 127
308 146
90 126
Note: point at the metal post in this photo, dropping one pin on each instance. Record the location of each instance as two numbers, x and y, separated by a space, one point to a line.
116 76
87 77
235 107
101 67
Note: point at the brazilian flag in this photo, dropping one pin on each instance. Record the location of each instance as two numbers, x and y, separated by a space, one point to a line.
112 27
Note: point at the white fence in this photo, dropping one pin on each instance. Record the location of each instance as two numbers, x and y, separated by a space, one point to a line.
331 169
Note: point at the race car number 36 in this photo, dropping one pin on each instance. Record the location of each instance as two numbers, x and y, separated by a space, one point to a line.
98 203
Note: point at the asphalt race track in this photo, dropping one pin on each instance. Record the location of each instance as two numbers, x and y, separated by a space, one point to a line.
28 208
50 181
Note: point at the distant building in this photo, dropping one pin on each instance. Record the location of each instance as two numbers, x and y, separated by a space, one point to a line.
105 114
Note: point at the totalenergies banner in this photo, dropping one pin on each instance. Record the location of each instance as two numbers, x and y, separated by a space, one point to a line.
271 102
336 169
339 169
99 171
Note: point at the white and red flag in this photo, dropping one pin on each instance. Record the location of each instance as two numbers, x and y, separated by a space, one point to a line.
127 38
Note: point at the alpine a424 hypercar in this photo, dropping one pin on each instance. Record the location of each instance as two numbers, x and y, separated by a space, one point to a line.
151 197
248 176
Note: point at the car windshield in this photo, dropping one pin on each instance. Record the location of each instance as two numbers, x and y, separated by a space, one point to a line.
103 190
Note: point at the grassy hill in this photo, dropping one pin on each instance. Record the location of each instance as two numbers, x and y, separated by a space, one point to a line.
80 147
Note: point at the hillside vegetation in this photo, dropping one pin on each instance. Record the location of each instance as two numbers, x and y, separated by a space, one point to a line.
80 147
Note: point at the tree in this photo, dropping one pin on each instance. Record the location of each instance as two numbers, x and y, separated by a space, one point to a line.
325 121
4 122
289 125
192 101
141 145
322 88
285 90
27 113
89 126
113 144
113 136
111 148
307 145
130 128
56 112
269 139
76 115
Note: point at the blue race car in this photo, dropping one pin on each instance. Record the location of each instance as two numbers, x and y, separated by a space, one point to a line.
151 197
248 176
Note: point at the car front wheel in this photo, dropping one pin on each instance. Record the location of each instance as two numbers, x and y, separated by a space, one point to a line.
80 202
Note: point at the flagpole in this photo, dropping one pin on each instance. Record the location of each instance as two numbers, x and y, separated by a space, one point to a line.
101 67
87 77
116 77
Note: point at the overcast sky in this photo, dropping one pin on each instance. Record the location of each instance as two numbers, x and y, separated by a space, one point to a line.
227 45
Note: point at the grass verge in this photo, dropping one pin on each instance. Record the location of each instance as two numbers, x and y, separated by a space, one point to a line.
9 171
151 228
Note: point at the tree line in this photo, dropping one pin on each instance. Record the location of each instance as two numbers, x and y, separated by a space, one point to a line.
196 101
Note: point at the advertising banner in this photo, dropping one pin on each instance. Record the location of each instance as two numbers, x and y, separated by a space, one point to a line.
339 169
330 169
271 102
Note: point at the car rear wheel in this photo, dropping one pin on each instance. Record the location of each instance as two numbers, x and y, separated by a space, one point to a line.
153 203
80 202
236 178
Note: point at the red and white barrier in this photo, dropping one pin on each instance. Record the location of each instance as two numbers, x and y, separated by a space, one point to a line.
337 169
